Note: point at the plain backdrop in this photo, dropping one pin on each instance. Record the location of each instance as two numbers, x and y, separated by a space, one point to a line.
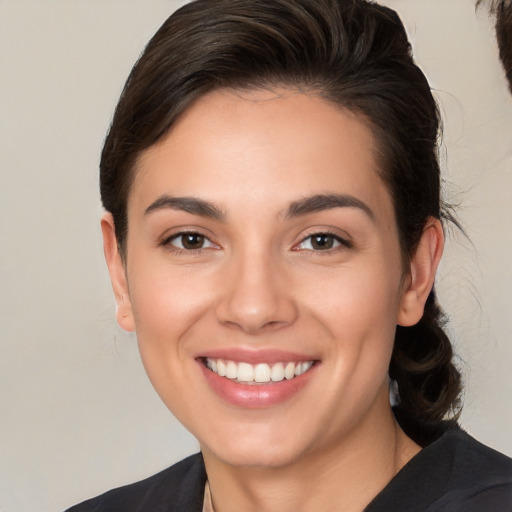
77 414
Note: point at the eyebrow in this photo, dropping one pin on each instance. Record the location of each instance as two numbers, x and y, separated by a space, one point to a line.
320 202
303 206
191 205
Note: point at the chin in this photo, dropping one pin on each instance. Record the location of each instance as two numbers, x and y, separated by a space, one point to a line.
263 446
258 457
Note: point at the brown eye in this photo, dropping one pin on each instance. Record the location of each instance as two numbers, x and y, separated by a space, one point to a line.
322 242
189 241
192 241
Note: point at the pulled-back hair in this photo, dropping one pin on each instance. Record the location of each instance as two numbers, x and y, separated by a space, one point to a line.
502 9
354 54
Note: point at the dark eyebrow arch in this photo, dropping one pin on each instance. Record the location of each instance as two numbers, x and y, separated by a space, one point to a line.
321 202
191 205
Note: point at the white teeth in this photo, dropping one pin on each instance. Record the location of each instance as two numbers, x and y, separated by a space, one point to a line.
245 373
221 368
277 372
262 373
231 370
289 371
259 373
306 365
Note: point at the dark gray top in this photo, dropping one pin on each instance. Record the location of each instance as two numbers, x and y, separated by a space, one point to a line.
453 473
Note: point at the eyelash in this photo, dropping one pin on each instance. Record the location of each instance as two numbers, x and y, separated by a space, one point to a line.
342 243
334 239
167 242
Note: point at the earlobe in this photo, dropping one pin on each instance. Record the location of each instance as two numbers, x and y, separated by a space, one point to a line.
115 264
422 273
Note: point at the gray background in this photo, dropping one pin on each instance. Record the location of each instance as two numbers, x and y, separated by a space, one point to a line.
77 414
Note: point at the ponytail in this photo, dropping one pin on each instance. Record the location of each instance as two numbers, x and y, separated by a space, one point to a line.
428 384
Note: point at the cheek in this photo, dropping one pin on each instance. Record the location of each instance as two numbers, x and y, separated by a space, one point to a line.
166 309
358 308
167 306
166 298
362 297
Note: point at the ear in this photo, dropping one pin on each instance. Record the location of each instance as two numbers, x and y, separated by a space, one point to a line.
422 273
115 264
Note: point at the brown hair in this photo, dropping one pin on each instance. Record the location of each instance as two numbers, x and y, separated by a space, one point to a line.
502 9
353 53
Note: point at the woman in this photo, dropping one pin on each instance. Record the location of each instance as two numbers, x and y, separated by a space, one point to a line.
273 231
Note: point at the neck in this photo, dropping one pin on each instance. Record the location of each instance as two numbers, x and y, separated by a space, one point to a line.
345 476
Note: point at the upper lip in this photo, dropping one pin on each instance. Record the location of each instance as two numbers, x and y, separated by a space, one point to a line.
255 356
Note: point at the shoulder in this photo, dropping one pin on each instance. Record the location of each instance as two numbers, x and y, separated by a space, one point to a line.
480 478
178 488
470 452
455 473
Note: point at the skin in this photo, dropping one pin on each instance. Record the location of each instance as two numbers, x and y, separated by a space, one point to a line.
257 283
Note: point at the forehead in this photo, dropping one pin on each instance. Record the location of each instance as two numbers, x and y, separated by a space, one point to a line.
261 145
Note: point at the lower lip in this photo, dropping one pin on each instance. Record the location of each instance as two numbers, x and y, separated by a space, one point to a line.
255 396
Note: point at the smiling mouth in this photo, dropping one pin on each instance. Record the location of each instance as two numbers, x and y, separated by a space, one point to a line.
261 373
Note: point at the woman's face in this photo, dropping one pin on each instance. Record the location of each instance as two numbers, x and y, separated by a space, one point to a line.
262 243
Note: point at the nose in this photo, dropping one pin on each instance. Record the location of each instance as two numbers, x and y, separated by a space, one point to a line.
256 295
